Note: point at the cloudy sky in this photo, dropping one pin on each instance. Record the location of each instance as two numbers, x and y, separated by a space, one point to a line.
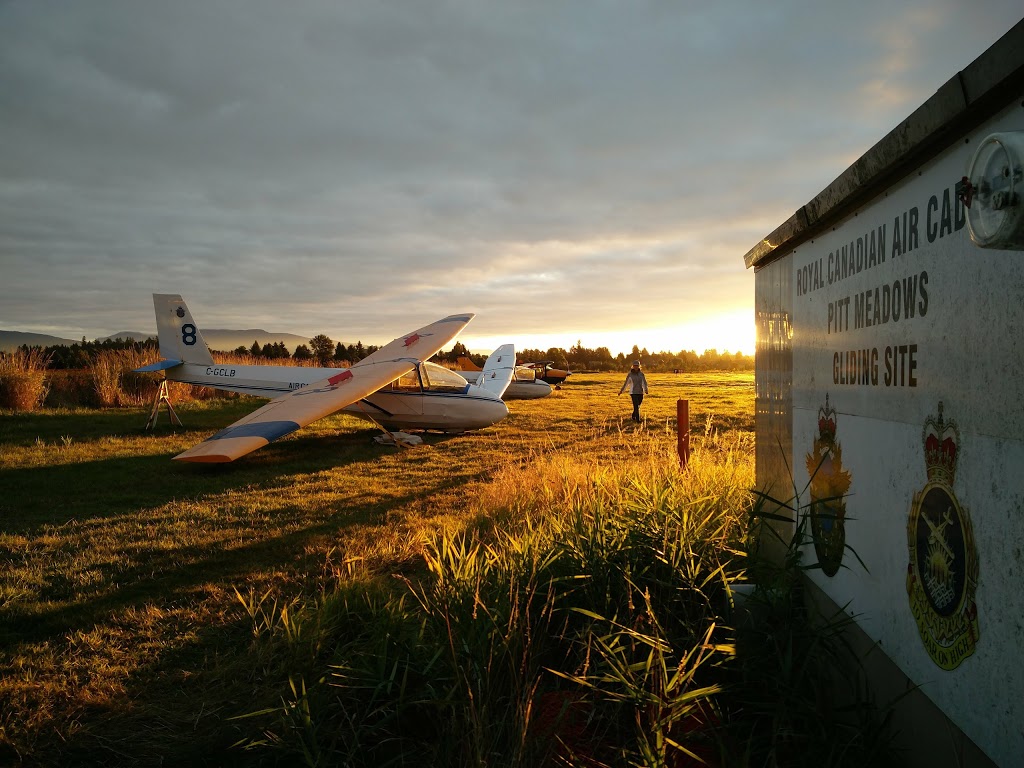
570 170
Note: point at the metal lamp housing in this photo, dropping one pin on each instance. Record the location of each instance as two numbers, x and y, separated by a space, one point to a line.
996 173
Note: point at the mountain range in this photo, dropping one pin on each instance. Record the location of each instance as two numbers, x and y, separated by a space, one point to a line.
217 338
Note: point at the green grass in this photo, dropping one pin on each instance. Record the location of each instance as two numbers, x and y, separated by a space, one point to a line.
146 606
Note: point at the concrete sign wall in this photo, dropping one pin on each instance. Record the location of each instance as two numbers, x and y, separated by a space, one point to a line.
908 433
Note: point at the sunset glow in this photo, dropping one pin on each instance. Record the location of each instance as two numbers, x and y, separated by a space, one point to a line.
727 332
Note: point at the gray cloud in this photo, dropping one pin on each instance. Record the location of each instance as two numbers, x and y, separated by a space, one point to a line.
359 167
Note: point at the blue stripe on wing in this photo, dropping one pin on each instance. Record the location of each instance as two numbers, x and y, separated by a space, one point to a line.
163 365
268 430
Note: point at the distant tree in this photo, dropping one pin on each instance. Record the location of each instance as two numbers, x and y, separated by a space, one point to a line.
557 356
577 355
323 349
275 351
356 352
255 350
302 353
602 360
81 354
527 355
241 349
458 350
341 353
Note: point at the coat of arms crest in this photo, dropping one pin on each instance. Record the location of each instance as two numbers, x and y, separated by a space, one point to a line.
829 485
942 576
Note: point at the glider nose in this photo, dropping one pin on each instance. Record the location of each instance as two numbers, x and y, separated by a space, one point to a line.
496 411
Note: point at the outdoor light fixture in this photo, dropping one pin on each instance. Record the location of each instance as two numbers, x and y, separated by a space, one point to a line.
992 191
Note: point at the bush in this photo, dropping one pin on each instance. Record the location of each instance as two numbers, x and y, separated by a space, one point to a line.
71 389
22 379
115 382
109 381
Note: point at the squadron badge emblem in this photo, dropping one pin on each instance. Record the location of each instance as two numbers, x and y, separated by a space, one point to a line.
829 484
942 576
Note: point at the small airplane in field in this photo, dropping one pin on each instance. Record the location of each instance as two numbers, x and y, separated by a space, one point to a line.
524 385
553 376
394 387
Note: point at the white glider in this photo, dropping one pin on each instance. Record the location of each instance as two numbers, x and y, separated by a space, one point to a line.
525 384
393 386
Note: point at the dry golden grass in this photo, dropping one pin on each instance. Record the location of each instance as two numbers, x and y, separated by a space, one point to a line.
120 629
116 383
23 383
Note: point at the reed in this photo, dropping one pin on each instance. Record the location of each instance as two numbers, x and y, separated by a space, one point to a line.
23 383
574 621
114 381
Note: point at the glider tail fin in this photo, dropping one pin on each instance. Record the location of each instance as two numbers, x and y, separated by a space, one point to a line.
465 364
180 339
498 370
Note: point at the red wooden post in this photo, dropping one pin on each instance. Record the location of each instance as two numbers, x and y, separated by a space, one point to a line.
683 431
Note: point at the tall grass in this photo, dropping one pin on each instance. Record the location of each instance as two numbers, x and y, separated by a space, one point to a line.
574 623
23 383
247 358
116 383
586 618
111 381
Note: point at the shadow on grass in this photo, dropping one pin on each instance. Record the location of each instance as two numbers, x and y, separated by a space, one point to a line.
88 490
162 573
169 721
85 424
80 491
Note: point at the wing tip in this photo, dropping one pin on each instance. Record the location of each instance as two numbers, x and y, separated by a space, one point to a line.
207 458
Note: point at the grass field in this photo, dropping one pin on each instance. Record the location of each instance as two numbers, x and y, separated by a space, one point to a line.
122 636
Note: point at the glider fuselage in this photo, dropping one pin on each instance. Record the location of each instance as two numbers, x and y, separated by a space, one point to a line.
429 397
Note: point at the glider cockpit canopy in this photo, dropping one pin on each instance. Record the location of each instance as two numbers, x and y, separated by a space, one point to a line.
429 377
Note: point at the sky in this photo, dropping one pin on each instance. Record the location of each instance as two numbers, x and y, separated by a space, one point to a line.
570 170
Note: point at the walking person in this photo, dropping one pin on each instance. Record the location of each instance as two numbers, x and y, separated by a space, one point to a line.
637 384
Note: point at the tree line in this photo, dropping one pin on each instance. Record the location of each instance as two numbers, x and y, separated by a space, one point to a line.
327 354
579 357
320 348
81 354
